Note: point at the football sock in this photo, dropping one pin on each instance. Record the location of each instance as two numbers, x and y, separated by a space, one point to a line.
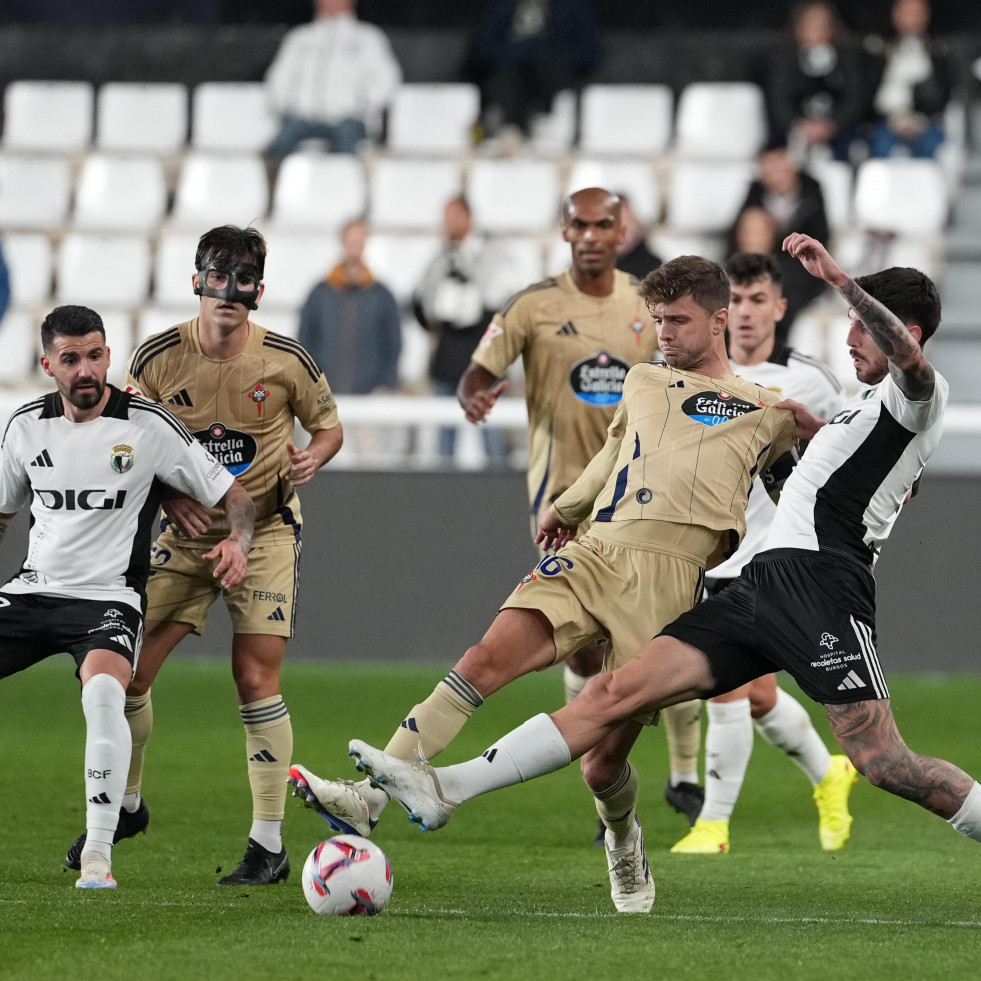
967 821
139 715
617 805
684 730
268 746
788 727
436 722
534 748
728 747
107 749
269 834
573 683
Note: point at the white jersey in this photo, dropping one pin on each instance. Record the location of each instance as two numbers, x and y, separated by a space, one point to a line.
791 375
94 489
852 482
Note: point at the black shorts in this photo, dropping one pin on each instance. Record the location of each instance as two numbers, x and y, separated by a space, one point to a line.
811 614
35 626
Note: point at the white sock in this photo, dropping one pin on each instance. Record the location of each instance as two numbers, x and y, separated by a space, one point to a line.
967 821
107 749
376 799
788 727
131 802
677 778
536 747
728 747
572 682
269 834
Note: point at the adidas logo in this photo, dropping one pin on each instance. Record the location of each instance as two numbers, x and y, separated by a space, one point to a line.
263 756
852 680
410 724
277 614
489 754
102 798
567 328
43 459
181 398
123 641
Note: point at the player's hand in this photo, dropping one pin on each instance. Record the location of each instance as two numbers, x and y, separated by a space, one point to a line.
232 558
807 422
483 401
303 466
189 517
814 257
552 534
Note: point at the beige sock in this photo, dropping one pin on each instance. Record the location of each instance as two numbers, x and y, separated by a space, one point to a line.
268 747
139 715
683 723
617 805
436 721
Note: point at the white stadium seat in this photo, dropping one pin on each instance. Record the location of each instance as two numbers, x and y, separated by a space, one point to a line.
633 177
103 270
409 195
120 193
626 119
399 261
31 264
154 320
514 196
221 189
231 116
836 180
295 263
48 116
20 339
119 340
908 197
34 191
553 132
432 118
720 120
705 197
173 268
149 117
319 190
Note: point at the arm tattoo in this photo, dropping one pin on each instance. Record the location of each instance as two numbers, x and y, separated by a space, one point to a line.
907 364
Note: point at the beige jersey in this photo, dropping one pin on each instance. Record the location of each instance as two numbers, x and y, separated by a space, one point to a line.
577 350
243 411
683 448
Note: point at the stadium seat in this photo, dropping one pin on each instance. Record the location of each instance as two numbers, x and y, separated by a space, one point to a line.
554 132
432 119
399 261
526 260
148 117
409 195
34 191
153 319
284 321
668 244
514 196
704 197
47 116
634 177
21 343
221 189
31 264
720 120
173 268
120 193
908 197
625 119
231 116
295 263
318 191
836 179
103 270
119 340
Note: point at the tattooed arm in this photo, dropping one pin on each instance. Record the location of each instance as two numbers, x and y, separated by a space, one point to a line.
910 370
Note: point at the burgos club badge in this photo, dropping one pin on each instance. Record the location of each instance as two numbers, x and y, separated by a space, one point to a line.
121 459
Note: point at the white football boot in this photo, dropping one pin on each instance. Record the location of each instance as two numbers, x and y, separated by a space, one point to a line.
632 885
338 802
96 874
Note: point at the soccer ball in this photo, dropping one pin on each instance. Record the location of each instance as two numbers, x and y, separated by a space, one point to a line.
347 876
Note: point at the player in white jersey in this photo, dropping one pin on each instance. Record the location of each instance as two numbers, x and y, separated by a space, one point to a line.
756 307
89 461
806 603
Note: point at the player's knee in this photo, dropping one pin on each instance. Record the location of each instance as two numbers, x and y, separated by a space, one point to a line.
138 687
485 669
885 770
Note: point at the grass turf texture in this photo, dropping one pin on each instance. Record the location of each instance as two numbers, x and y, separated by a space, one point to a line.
511 889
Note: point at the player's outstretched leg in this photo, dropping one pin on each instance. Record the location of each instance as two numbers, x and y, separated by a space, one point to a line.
631 883
341 803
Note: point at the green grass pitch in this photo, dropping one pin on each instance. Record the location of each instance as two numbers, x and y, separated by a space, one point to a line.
511 889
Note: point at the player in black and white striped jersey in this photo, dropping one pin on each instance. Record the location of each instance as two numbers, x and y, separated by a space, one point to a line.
90 461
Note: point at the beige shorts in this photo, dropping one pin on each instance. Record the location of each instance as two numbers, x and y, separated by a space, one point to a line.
182 588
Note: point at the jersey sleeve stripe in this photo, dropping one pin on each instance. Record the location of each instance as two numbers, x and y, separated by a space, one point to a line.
148 350
534 288
818 364
28 407
289 346
145 405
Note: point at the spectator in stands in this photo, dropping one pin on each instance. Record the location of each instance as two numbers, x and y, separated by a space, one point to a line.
4 285
914 84
350 323
782 199
815 85
330 80
634 256
457 297
522 52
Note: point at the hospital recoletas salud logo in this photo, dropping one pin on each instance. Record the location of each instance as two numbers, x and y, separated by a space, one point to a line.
121 459
828 640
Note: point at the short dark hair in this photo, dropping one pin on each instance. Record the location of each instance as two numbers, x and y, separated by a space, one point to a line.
747 267
704 281
907 293
228 245
71 321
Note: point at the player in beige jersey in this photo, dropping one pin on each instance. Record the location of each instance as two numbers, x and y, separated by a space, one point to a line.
667 491
240 389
